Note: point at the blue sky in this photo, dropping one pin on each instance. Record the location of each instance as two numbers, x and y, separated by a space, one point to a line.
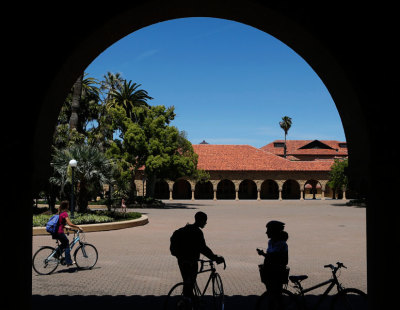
230 83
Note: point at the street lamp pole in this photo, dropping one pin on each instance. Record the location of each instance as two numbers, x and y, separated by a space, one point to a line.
72 163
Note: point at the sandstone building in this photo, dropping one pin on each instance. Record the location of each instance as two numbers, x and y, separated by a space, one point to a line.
245 172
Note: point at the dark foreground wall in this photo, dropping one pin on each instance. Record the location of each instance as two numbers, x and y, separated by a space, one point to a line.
46 47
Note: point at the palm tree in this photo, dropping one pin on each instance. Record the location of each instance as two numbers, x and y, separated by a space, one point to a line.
111 83
128 97
93 171
83 92
76 98
285 124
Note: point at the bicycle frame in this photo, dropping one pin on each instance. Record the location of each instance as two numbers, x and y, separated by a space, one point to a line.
196 287
74 241
331 282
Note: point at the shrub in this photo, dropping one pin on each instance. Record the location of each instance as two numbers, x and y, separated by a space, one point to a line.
89 218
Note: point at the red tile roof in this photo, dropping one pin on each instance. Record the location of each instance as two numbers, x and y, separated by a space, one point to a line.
294 148
214 157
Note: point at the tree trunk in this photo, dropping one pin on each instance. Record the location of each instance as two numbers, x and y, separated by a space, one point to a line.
284 148
82 199
76 97
151 186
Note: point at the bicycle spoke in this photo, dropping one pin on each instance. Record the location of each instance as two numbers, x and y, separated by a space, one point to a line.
86 256
44 261
350 299
218 293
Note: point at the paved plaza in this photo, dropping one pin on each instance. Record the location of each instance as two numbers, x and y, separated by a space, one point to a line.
136 270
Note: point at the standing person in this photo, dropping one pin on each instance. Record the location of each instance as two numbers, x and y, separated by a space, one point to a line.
123 205
276 260
187 245
60 235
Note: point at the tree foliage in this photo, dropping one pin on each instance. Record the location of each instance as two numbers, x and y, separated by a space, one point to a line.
337 177
116 123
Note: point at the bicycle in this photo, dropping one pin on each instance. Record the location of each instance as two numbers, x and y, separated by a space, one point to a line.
345 298
176 300
45 261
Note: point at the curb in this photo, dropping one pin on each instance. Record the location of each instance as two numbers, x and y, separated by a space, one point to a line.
143 220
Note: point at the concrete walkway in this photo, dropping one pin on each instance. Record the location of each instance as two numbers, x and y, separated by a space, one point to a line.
136 268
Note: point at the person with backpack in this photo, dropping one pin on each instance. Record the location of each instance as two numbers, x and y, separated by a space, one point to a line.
187 243
63 219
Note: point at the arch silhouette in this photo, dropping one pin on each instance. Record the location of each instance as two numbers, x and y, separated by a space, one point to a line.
204 190
226 190
182 190
247 189
161 190
269 190
291 190
331 42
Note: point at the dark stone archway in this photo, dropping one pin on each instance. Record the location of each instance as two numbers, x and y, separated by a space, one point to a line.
226 190
247 190
291 190
350 47
181 190
161 190
204 190
269 190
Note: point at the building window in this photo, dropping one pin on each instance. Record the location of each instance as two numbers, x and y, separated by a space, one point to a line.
279 144
343 145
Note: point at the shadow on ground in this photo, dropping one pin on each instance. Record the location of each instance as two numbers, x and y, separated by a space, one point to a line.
118 302
122 302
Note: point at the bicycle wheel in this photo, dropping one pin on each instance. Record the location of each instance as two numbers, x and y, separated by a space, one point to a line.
44 262
266 301
351 299
218 292
86 256
174 298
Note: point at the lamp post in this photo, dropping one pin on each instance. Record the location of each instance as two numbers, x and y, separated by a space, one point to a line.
72 163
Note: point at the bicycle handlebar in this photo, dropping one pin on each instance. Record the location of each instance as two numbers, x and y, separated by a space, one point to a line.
73 229
339 265
211 262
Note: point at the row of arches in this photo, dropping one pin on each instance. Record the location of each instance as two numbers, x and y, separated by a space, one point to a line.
245 189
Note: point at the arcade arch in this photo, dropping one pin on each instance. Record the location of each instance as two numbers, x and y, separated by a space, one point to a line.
204 190
182 189
226 190
312 190
247 190
291 189
269 190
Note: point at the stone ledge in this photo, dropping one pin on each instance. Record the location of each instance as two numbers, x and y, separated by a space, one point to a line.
143 220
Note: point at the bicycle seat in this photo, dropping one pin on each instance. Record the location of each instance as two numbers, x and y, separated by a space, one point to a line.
295 279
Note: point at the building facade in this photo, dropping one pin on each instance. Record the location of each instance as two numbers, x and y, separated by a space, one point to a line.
241 172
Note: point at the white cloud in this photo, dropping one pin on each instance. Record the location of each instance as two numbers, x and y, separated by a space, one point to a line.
146 54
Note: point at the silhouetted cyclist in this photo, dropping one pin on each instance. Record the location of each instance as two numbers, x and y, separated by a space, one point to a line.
276 260
187 243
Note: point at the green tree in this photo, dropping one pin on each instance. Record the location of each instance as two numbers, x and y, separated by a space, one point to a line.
337 177
87 110
151 143
285 124
93 171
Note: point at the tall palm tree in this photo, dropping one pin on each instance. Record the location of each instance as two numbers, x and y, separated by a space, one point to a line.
76 98
285 124
83 91
128 97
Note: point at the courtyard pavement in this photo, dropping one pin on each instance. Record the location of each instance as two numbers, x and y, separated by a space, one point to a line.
135 269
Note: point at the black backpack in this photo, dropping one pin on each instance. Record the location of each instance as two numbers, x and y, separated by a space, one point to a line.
177 245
